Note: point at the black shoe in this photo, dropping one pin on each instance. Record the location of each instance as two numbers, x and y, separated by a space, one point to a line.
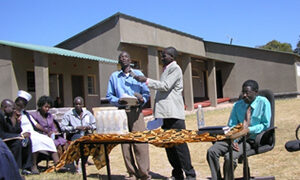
26 172
190 178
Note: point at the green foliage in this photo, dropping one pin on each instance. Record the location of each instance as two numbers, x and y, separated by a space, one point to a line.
277 46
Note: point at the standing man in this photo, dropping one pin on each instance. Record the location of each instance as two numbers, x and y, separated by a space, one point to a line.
255 112
122 83
170 107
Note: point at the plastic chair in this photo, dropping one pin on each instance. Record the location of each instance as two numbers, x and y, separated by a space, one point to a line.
265 141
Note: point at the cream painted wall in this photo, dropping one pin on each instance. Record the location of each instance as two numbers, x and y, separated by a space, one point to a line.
135 32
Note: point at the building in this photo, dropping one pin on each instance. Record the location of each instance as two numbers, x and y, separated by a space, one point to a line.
211 70
42 70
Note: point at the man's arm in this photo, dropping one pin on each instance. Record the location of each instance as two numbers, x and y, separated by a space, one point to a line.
110 94
168 83
4 134
233 120
65 123
145 92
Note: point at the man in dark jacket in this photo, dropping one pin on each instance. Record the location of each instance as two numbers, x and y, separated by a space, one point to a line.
10 132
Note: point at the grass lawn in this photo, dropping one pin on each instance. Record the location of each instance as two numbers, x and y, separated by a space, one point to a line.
278 162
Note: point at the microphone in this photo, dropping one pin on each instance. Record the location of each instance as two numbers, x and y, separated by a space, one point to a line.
25 141
132 73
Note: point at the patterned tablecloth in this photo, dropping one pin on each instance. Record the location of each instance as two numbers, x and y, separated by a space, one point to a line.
157 137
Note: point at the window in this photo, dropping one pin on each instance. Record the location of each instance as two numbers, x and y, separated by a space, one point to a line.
30 81
91 84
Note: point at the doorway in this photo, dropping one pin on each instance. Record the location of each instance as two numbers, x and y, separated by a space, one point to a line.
219 84
56 87
77 86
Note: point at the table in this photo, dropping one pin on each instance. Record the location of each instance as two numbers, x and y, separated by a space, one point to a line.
100 145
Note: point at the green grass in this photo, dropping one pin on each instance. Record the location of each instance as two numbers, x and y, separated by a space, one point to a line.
278 162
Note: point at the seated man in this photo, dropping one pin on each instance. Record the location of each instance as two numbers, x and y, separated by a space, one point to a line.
10 127
293 145
78 121
255 113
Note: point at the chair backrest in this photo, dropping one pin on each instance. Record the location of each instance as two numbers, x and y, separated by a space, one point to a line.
297 131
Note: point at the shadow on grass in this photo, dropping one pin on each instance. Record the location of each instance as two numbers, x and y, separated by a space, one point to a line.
121 177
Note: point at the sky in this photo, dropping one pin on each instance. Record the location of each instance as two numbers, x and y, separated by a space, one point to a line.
249 23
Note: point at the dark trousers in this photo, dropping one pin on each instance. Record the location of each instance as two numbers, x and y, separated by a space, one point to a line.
179 155
221 148
23 155
8 166
292 146
136 156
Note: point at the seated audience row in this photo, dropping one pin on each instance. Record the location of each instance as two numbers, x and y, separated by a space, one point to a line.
28 134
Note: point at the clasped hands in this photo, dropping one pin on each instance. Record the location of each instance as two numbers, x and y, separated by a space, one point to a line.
83 128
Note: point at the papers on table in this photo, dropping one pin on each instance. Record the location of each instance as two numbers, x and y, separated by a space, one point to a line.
214 129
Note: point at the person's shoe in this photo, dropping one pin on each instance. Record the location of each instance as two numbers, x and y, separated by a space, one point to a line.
34 170
89 163
26 172
175 178
130 177
190 178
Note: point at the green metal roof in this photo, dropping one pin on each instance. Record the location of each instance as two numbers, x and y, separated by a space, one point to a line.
57 51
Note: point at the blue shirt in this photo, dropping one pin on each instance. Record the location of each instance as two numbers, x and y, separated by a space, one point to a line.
119 84
260 115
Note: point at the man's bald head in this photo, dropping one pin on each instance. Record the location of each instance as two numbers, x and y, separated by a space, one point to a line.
8 106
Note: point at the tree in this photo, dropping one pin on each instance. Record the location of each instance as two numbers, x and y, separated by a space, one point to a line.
297 49
277 46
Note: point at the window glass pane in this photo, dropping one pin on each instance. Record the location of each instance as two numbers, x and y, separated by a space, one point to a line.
91 85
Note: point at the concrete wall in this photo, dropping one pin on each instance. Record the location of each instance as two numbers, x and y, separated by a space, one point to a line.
297 72
272 70
139 32
9 86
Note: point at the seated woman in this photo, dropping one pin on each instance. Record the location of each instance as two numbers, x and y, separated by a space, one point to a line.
40 142
46 120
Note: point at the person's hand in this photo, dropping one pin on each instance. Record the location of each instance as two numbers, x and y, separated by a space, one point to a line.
235 146
87 127
140 78
17 115
122 102
139 97
26 134
80 128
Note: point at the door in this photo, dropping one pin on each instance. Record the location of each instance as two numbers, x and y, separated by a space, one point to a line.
77 86
56 87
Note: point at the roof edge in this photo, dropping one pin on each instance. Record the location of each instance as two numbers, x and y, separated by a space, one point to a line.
125 16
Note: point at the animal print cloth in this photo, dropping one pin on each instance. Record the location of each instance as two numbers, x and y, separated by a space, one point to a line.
157 137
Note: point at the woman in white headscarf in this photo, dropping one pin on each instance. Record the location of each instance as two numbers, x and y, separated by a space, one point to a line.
39 141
